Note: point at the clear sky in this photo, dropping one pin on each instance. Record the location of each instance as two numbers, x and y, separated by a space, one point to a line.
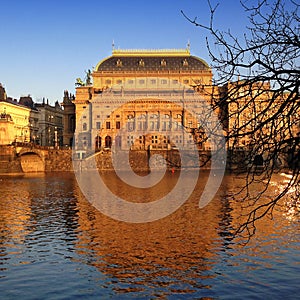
45 45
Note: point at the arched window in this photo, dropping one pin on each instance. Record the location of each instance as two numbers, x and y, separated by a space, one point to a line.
107 141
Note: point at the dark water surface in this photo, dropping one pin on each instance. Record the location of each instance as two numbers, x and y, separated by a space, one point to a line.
55 245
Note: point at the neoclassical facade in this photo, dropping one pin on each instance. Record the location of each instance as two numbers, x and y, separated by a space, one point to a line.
145 99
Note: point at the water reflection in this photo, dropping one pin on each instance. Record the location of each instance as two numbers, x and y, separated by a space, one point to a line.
50 234
173 253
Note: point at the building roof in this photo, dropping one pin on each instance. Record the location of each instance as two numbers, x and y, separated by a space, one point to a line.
15 103
152 60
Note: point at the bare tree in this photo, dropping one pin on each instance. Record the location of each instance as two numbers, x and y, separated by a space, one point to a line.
259 78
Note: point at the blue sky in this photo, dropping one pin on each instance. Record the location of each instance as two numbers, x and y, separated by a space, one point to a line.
46 45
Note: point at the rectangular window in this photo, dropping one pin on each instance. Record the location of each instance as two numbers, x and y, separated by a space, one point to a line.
129 140
107 125
118 125
98 125
154 139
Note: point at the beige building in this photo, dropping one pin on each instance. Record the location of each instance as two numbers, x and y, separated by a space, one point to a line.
14 122
28 122
253 115
145 99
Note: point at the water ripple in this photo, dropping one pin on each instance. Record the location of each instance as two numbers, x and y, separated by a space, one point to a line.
55 245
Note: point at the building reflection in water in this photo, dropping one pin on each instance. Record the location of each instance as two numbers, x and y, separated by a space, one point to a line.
15 211
47 225
176 249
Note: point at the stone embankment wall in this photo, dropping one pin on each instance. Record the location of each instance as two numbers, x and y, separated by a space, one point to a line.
60 160
9 163
52 161
142 160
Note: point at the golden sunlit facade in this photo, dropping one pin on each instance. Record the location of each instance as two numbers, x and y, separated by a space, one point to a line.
139 100
15 123
254 115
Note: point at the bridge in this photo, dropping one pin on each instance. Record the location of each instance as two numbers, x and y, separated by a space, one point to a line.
32 157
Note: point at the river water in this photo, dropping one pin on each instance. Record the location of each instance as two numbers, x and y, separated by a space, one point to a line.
55 245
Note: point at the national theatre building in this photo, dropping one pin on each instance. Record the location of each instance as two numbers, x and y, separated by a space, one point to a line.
145 100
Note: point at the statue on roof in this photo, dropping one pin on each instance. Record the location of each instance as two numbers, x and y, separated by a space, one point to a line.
88 77
79 82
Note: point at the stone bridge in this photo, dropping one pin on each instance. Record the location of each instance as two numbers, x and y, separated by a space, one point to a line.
32 157
29 158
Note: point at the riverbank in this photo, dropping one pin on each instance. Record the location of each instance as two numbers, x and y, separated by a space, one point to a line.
28 158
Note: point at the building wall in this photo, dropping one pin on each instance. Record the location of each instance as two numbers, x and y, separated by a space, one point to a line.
69 118
50 122
134 107
144 118
38 123
249 109
16 127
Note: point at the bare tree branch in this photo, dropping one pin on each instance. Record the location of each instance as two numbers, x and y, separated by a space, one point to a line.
259 82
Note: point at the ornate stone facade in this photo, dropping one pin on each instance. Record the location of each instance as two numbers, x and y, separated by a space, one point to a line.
141 99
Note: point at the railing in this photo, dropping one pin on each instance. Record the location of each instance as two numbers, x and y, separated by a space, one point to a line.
35 146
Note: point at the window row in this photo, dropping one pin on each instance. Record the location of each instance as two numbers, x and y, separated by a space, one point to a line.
140 125
143 81
141 63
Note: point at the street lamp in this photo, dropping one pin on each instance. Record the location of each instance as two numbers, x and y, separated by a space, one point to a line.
49 136
55 137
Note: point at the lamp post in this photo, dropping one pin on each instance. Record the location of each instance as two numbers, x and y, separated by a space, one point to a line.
49 136
55 137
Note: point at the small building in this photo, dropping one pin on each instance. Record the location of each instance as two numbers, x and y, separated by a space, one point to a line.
50 120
